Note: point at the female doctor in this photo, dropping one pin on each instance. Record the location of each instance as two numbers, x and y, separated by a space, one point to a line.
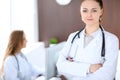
15 64
91 53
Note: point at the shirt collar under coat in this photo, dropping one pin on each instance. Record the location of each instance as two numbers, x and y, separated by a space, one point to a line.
96 35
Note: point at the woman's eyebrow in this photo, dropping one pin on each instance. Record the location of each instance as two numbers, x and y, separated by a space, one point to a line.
84 8
94 8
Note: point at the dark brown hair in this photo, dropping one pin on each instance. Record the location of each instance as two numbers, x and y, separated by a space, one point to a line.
100 2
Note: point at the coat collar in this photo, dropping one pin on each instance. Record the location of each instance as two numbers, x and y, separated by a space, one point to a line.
97 36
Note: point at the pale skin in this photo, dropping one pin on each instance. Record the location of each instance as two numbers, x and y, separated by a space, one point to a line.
22 45
24 41
90 14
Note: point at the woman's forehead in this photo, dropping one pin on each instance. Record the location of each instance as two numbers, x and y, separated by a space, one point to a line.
89 4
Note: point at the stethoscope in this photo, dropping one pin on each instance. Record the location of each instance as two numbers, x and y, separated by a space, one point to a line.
18 66
103 43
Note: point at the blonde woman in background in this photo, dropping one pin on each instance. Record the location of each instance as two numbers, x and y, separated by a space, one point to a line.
15 64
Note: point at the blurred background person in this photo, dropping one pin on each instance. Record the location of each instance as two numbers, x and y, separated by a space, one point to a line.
15 64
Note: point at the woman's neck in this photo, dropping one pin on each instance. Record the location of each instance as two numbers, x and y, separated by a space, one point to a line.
18 51
91 28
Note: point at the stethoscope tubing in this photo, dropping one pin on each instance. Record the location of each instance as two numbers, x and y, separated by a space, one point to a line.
103 43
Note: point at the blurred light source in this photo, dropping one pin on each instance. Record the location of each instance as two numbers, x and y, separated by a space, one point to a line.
63 2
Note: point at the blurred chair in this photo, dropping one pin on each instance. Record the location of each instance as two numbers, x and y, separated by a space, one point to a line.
117 77
51 59
36 53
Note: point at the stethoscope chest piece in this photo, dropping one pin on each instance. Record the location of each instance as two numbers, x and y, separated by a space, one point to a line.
102 60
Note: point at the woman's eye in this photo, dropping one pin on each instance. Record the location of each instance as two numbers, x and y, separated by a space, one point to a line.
94 11
84 10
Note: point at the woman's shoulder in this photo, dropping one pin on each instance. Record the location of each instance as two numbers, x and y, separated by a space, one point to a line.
73 33
111 36
10 58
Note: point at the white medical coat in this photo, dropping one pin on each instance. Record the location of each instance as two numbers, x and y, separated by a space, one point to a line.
91 54
27 71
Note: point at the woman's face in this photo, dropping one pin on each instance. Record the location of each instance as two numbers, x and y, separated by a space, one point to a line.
90 12
24 41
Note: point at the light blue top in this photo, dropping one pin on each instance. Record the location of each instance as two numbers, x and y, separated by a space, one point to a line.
25 72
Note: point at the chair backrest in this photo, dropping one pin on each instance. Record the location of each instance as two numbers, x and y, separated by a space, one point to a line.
117 76
36 53
51 59
1 77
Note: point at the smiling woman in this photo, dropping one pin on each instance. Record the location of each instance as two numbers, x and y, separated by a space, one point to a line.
63 2
92 51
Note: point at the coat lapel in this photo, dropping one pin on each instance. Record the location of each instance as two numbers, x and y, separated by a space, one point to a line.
92 52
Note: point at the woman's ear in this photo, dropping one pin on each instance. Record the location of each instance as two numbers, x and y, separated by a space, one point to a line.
100 18
102 11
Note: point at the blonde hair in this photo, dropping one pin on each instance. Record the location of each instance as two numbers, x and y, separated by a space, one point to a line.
14 45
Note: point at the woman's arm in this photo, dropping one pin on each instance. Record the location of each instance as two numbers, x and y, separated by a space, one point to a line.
72 68
108 69
67 66
35 71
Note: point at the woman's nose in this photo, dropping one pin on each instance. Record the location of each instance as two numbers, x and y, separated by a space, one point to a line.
89 14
